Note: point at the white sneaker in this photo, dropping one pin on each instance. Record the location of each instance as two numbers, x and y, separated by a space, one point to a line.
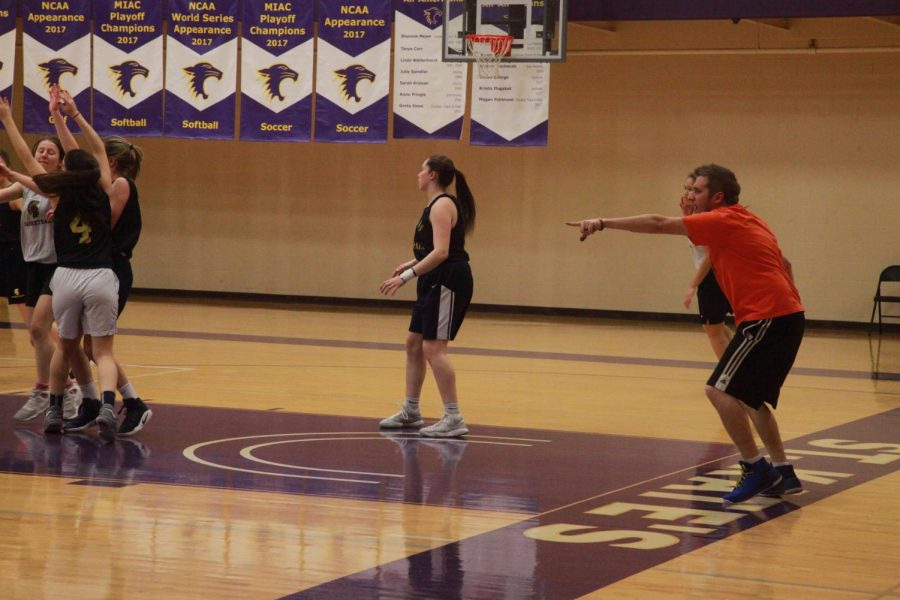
449 426
36 405
71 401
402 419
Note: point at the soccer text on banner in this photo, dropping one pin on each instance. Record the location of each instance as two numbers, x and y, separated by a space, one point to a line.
353 71
277 70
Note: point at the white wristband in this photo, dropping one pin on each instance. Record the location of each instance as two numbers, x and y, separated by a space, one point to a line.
407 274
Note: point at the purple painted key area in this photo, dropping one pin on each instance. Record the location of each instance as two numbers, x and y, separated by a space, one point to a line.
596 508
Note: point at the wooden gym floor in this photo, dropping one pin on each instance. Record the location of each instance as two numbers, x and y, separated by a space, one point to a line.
594 466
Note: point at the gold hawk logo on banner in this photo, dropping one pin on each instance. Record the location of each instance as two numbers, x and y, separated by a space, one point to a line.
54 68
82 229
350 78
272 78
433 15
125 72
197 76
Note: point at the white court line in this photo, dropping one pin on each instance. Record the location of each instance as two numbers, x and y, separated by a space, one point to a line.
162 371
191 453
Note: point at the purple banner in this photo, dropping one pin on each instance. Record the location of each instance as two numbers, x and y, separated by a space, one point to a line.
277 71
201 69
56 45
354 71
7 48
429 94
128 60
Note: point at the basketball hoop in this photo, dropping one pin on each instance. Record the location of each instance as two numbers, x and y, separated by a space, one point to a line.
488 49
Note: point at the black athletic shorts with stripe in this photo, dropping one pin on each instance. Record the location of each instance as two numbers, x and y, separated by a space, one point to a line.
711 301
759 358
442 299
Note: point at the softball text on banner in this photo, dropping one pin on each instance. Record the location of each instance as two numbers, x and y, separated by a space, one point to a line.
277 70
353 71
201 69
128 67
429 94
511 109
56 46
7 47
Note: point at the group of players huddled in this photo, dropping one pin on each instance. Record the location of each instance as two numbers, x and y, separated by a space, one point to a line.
66 263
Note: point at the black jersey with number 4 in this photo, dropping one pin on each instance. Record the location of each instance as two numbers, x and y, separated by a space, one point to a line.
82 237
423 240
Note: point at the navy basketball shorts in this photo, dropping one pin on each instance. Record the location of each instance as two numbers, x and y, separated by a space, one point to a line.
443 297
122 269
711 301
12 273
758 359
37 281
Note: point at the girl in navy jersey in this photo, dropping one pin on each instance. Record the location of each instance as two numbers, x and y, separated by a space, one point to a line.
443 292
125 165
85 290
12 263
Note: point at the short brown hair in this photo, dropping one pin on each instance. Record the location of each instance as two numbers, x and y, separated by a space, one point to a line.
720 179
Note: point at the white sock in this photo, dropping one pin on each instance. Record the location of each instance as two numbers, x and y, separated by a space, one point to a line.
128 391
753 460
451 409
89 390
411 404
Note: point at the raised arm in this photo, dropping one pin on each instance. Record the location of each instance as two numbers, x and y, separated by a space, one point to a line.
59 122
118 198
18 142
92 138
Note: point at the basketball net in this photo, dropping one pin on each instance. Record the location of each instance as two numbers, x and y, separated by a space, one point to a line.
488 49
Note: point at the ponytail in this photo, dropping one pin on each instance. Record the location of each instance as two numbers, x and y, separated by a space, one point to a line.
128 157
447 173
466 201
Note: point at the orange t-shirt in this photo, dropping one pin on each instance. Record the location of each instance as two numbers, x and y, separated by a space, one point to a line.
747 261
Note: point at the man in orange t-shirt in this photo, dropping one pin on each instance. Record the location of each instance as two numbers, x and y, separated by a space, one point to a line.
758 282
